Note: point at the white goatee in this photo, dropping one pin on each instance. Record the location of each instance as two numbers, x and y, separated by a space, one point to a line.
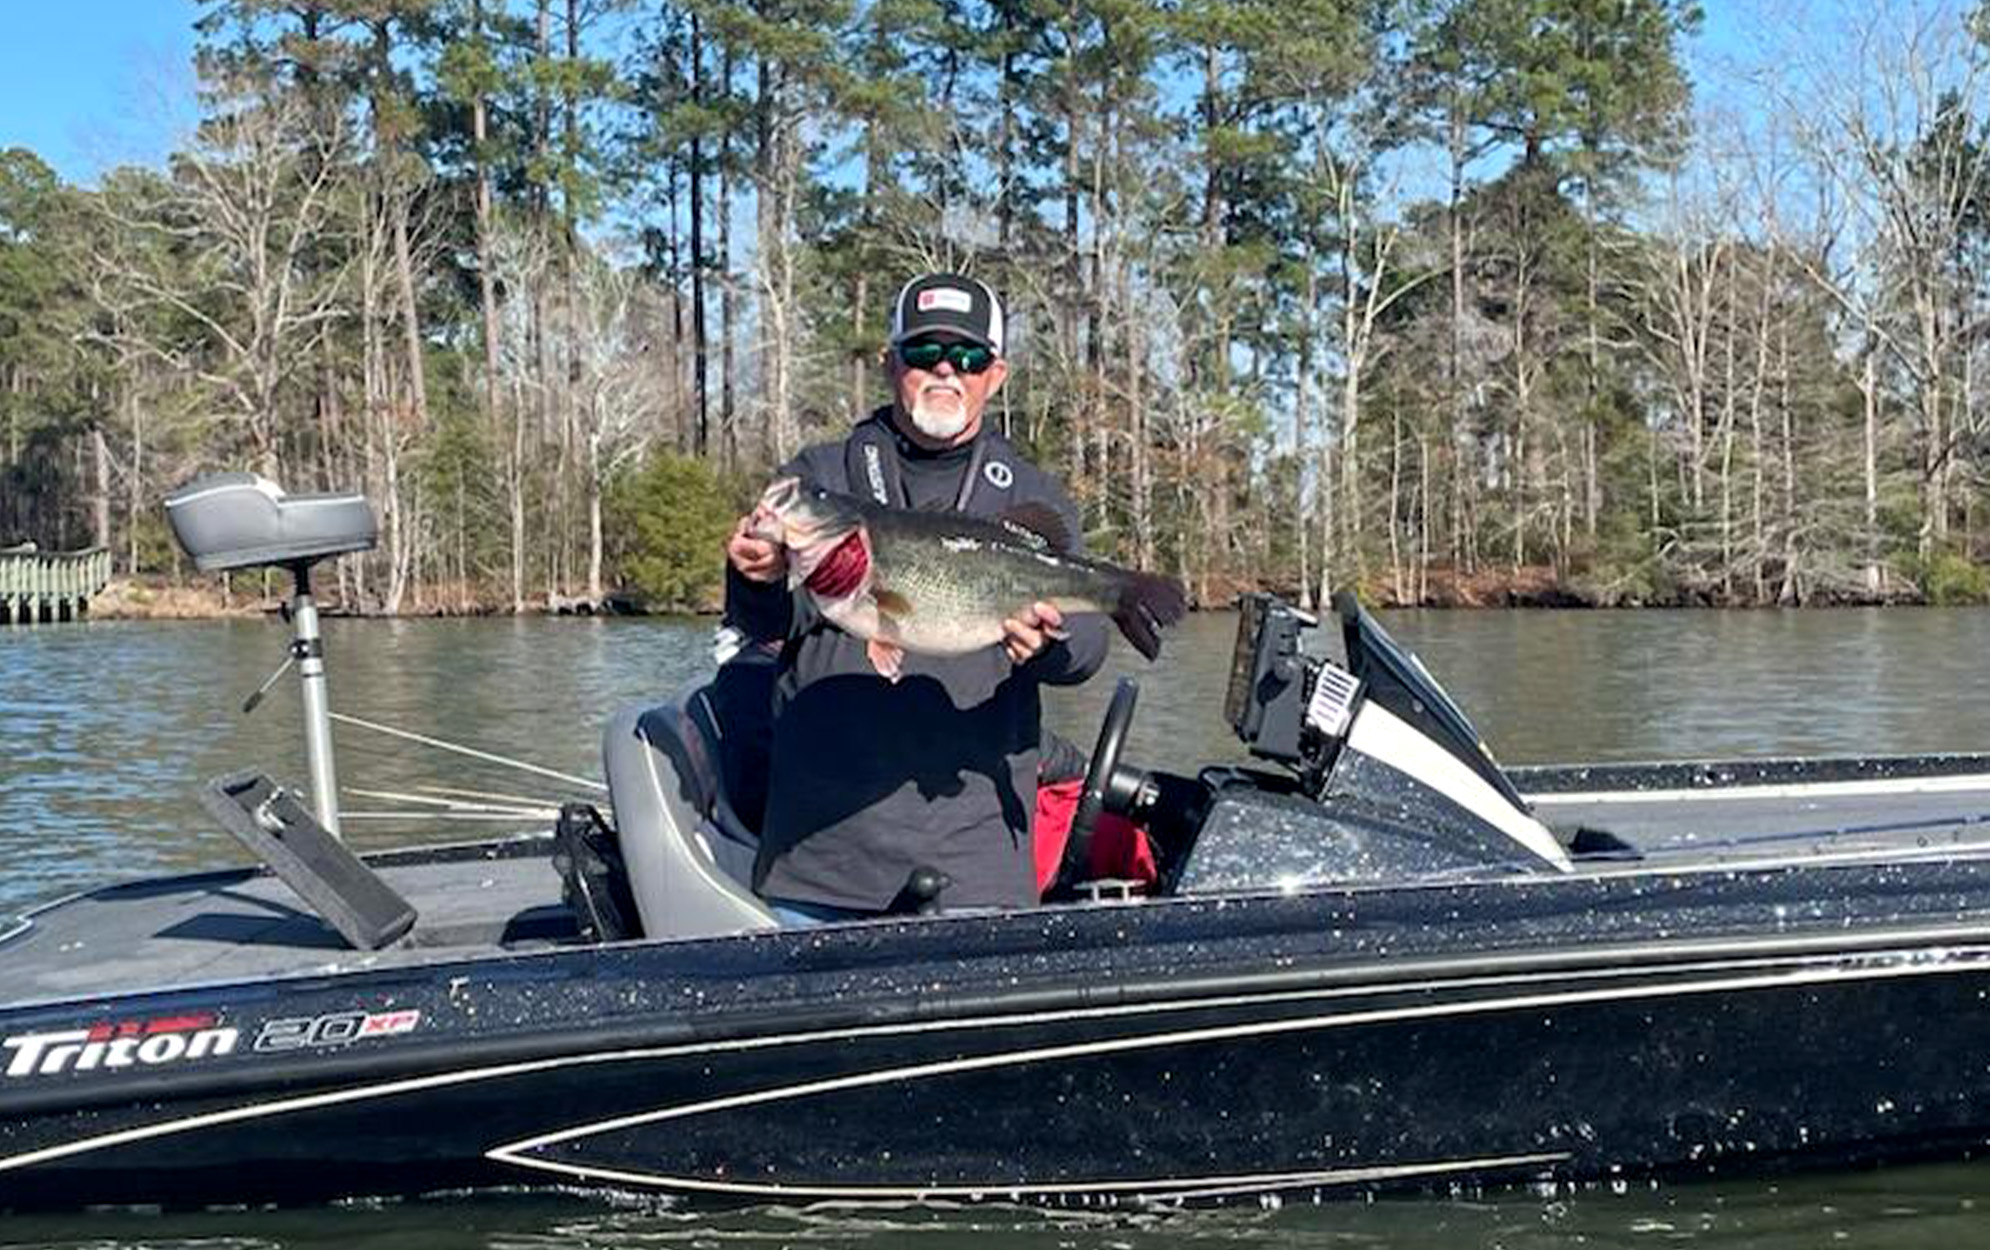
939 422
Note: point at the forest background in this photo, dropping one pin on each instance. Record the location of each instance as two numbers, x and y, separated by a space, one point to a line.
1449 300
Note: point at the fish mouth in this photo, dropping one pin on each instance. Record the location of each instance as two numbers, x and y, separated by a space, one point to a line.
789 513
809 522
780 496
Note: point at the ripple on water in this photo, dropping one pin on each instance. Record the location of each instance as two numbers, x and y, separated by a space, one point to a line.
1917 1208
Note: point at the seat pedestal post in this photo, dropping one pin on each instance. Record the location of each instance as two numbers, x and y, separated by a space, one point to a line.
308 646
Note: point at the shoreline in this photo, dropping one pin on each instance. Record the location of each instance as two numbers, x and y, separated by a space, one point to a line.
160 599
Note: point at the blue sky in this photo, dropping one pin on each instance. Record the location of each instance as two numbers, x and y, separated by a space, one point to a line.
91 84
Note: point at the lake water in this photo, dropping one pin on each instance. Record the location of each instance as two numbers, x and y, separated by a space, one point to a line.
108 729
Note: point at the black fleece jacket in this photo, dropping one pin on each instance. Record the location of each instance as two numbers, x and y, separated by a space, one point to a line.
871 779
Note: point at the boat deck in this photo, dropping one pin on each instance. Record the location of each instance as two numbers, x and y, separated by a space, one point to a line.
247 925
1752 810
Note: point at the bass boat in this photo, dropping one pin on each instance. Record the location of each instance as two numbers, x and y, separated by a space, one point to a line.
1378 961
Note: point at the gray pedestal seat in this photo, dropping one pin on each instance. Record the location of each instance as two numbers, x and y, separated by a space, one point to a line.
689 855
240 520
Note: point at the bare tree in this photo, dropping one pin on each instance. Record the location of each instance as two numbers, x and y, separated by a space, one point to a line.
1890 122
1370 284
522 259
209 275
618 315
1680 304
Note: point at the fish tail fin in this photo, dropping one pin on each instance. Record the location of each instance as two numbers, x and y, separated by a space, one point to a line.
1148 603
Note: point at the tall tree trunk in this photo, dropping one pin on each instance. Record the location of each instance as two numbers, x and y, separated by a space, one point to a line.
515 497
1136 399
778 170
1758 449
876 174
1006 89
1302 412
411 335
1395 504
860 301
700 379
394 200
1869 392
1592 381
1934 460
1463 484
728 286
1420 591
488 308
594 539
1789 593
1352 341
679 409
1070 312
135 480
100 499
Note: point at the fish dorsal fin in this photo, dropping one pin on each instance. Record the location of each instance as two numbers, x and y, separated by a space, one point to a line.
1040 523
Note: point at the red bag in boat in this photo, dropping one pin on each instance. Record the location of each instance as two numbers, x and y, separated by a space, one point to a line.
1119 847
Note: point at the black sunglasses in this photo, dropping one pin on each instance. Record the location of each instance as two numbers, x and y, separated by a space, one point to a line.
928 353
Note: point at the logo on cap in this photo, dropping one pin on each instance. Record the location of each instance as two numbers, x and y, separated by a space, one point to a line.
945 298
949 303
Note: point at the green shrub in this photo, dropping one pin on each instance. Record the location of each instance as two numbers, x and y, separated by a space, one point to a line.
1948 578
668 522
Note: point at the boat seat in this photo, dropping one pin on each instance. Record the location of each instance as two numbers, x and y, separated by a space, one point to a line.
240 520
689 854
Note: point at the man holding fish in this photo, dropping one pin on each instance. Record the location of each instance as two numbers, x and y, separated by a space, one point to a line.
924 581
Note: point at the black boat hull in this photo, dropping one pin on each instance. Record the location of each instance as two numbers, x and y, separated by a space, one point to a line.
1182 1050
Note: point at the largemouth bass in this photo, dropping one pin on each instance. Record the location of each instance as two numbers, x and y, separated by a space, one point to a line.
942 583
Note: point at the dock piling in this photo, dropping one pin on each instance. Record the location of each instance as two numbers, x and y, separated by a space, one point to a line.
45 587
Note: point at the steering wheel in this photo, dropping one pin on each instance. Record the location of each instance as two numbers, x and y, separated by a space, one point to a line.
1100 774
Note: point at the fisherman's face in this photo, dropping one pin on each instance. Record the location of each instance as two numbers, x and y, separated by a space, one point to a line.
941 406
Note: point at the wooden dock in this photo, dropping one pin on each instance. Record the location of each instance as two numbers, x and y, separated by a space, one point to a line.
47 586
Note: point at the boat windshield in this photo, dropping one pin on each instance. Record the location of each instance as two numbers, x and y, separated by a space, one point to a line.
1396 679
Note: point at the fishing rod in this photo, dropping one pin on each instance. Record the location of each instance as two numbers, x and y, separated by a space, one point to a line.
472 752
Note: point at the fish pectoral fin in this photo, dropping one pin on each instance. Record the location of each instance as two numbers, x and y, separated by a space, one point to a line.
892 602
885 658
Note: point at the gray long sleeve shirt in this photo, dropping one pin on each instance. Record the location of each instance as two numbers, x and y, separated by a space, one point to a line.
872 779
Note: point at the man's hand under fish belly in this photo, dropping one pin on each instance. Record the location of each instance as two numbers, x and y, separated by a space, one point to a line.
1028 632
